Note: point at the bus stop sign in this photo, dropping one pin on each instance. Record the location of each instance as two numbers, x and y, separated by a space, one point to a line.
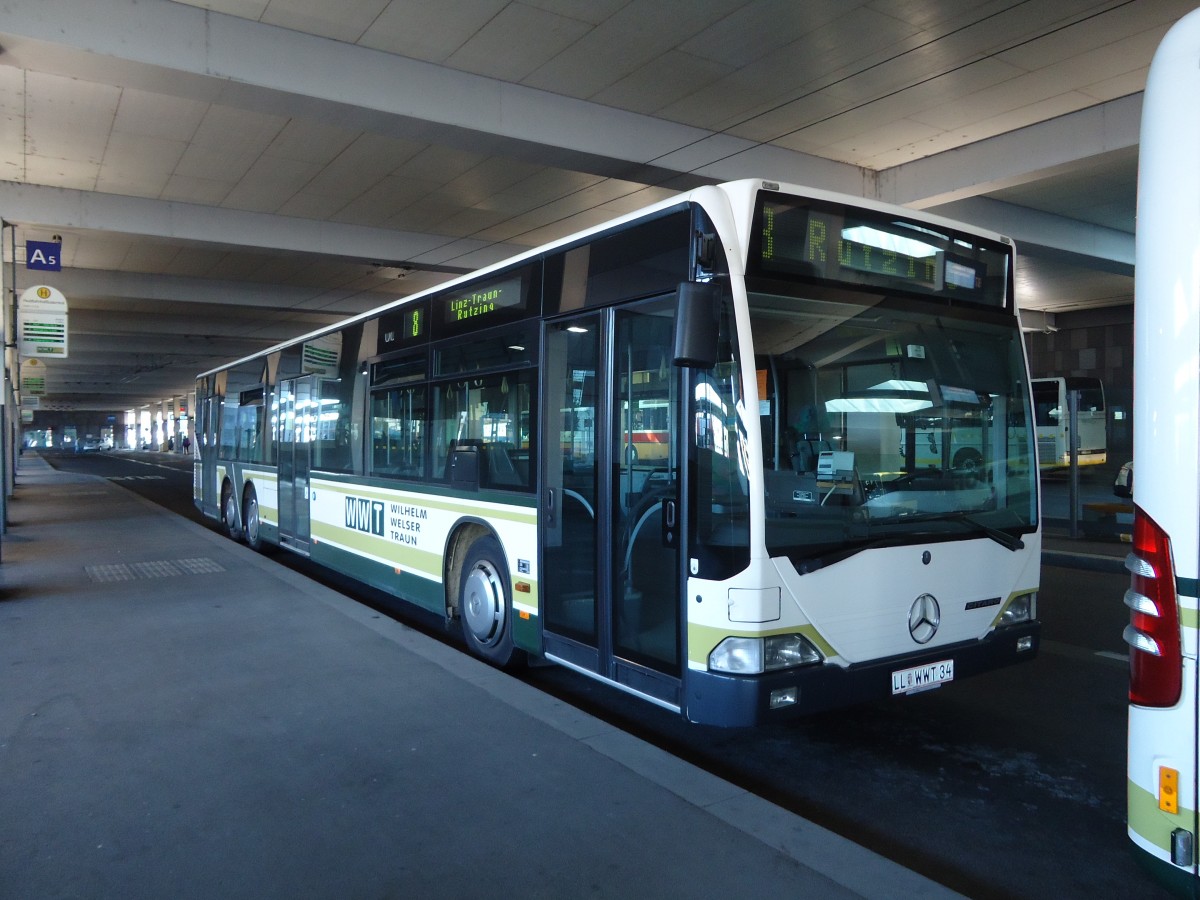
43 255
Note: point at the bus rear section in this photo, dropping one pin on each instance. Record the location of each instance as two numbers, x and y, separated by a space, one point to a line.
1164 564
1162 712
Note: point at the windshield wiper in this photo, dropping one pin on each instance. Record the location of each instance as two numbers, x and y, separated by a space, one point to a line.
1003 538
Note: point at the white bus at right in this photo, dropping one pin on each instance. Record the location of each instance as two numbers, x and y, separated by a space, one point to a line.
1164 570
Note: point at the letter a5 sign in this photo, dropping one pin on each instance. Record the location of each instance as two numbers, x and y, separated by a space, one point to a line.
42 322
43 255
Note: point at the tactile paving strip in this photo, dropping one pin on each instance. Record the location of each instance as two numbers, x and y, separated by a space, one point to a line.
163 568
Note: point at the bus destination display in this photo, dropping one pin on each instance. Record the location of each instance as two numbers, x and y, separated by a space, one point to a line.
811 241
483 301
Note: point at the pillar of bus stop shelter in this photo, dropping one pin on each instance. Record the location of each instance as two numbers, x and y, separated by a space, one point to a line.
148 428
182 422
1073 397
164 424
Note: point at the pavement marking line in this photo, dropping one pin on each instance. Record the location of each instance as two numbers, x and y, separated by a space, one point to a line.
1083 654
142 462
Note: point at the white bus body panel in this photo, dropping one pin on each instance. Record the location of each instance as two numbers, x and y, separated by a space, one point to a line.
857 606
1167 395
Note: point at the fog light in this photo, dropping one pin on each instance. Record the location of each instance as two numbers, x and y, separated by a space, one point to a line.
1025 643
783 697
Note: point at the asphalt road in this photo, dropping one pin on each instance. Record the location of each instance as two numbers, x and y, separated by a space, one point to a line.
1008 785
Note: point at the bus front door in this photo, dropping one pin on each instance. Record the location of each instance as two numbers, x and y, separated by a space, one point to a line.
297 425
611 504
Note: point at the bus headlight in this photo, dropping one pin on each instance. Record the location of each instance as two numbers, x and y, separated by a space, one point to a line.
1021 609
754 656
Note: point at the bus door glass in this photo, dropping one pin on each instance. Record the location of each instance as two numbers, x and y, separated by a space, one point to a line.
611 504
206 449
645 524
297 430
571 494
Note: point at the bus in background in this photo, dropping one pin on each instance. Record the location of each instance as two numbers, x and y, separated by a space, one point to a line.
1163 564
662 453
1051 413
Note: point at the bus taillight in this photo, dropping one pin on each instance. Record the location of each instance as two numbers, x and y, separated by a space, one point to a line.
1156 655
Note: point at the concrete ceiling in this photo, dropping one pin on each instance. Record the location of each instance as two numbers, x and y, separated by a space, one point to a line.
225 174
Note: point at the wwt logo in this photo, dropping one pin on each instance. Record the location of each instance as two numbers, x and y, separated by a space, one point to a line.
364 515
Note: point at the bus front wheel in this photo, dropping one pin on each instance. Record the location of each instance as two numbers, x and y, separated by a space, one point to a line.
485 604
968 460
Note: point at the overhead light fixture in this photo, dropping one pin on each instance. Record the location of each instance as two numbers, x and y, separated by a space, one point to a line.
893 396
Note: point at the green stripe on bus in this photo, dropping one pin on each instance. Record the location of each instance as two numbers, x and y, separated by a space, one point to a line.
380 549
1179 881
1189 587
527 633
407 586
1154 825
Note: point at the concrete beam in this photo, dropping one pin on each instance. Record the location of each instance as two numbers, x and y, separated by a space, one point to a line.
310 303
237 229
1042 234
163 326
220 58
1016 157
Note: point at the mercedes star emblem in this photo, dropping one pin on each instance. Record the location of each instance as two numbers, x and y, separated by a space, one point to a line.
924 618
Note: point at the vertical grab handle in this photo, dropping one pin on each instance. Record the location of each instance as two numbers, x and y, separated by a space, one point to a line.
550 506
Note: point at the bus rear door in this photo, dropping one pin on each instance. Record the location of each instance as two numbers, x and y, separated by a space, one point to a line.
206 456
296 433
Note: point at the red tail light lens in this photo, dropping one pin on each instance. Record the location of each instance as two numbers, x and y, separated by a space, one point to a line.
1156 654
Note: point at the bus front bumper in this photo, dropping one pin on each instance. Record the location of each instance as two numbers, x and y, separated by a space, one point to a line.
713 698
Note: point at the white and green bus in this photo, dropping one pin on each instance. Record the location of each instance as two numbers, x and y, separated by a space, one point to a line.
1165 560
481 450
1052 419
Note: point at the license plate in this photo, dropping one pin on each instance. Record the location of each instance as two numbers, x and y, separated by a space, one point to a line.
922 678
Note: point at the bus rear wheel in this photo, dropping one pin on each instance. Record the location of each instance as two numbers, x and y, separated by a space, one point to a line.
251 521
485 604
229 513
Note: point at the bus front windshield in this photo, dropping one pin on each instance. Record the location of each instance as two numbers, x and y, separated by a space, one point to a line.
888 420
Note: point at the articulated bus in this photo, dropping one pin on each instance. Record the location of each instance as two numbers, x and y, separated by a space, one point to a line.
663 453
1164 565
1053 421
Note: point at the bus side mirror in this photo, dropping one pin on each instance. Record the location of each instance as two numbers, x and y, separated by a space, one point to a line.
696 330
